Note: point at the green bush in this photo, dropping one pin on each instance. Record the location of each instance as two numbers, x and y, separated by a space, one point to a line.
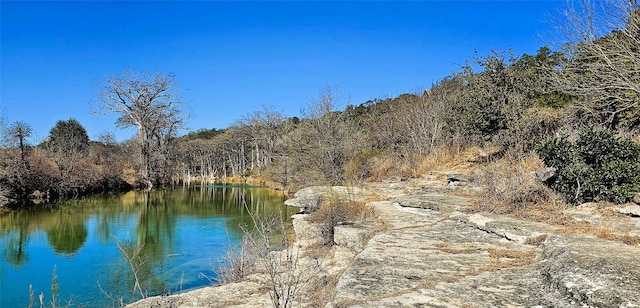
598 166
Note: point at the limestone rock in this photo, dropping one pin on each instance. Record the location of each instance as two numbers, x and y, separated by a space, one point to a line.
433 201
309 199
509 229
353 235
249 293
545 174
592 272
307 233
630 209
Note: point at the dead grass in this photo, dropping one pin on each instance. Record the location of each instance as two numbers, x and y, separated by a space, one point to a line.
334 211
444 158
440 158
452 250
630 240
503 258
535 241
381 168
606 233
320 290
509 187
452 278
603 230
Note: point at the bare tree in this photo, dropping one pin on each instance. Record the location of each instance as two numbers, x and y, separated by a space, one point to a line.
263 128
3 129
18 132
329 139
151 104
602 68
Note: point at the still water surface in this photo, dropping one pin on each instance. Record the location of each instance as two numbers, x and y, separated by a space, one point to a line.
182 234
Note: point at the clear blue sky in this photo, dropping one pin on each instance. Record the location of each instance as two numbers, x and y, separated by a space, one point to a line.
233 58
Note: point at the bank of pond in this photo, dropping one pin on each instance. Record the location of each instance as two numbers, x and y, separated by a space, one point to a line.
84 247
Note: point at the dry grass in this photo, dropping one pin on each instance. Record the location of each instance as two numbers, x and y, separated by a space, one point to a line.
509 187
605 229
381 168
320 290
452 278
503 258
606 233
630 240
452 250
334 211
414 165
535 241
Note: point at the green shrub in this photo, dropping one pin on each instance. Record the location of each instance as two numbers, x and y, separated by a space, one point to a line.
598 166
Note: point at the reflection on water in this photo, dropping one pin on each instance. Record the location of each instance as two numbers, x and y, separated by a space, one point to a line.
174 238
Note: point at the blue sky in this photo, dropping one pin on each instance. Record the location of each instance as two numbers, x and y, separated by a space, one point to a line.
234 58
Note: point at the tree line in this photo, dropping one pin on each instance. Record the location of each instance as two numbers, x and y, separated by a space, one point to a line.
501 100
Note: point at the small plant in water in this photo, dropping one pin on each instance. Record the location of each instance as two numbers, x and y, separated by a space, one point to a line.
55 293
135 258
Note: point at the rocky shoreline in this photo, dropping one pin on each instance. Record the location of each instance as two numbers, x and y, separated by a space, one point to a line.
425 250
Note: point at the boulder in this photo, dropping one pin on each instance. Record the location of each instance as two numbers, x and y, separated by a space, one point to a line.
309 199
307 233
630 209
545 174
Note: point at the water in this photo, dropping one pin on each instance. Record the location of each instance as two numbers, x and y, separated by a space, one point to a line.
182 234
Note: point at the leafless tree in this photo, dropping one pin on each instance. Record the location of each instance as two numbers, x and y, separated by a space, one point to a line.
603 65
149 103
328 139
263 128
18 132
3 129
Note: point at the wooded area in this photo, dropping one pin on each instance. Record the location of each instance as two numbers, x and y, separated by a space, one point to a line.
498 100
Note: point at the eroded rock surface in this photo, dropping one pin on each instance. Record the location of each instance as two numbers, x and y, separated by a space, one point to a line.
434 255
426 251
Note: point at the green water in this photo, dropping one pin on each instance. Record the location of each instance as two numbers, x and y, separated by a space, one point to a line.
181 234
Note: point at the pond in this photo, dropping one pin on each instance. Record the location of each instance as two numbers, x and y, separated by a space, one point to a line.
182 236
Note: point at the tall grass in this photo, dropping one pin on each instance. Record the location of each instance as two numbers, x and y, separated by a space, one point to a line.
509 186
